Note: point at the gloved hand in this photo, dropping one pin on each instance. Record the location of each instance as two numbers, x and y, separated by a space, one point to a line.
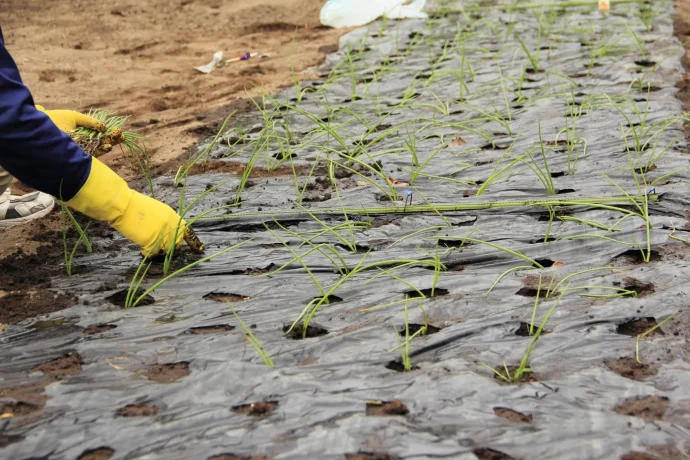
143 220
69 120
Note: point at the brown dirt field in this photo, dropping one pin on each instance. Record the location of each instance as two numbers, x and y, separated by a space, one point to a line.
138 57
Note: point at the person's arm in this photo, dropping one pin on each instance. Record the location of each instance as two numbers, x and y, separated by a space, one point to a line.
35 151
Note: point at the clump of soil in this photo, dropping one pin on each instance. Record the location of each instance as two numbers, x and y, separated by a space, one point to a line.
214 329
512 415
168 373
398 366
225 297
414 328
527 376
257 409
486 453
369 456
642 289
297 333
637 326
120 297
137 410
100 453
438 292
648 408
631 369
16 409
16 306
68 364
386 408
237 457
98 329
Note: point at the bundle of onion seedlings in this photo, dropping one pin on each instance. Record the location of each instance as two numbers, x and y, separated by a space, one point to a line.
98 143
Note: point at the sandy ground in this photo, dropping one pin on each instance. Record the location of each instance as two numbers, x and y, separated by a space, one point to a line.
138 57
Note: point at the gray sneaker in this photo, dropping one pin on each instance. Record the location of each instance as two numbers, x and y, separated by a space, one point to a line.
17 210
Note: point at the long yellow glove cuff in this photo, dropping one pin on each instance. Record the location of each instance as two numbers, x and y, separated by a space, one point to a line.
143 220
69 120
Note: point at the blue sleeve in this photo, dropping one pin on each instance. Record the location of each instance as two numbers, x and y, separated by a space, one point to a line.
32 148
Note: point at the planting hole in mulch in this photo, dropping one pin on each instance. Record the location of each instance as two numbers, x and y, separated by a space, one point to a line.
297 332
413 328
648 408
330 299
546 263
512 415
527 376
524 329
438 292
16 409
98 329
137 410
398 366
237 457
6 440
100 453
637 326
257 409
225 297
565 191
386 408
532 292
631 369
66 365
485 453
369 456
214 329
119 298
638 456
642 289
548 239
168 373
454 243
645 63
635 256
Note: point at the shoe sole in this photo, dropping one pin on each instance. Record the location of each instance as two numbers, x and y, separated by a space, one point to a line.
8 223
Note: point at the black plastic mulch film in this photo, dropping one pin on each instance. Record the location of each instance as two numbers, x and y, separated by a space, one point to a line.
397 89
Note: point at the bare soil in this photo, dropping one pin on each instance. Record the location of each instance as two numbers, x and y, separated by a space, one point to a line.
65 366
649 408
168 373
512 415
631 369
137 410
369 456
237 457
485 453
100 453
257 409
387 408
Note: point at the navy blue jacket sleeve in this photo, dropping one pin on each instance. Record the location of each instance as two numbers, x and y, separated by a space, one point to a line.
32 148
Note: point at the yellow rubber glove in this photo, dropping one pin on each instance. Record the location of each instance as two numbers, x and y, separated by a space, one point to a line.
142 220
69 120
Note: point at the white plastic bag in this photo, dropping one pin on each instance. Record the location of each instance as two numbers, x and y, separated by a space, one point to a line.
352 13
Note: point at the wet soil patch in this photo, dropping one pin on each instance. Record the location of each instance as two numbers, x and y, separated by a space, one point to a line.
213 329
98 329
635 256
225 297
100 453
137 410
297 332
16 409
413 328
524 329
69 364
637 326
257 409
168 373
438 292
398 366
386 408
642 289
648 408
512 415
486 453
631 369
120 298
369 456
